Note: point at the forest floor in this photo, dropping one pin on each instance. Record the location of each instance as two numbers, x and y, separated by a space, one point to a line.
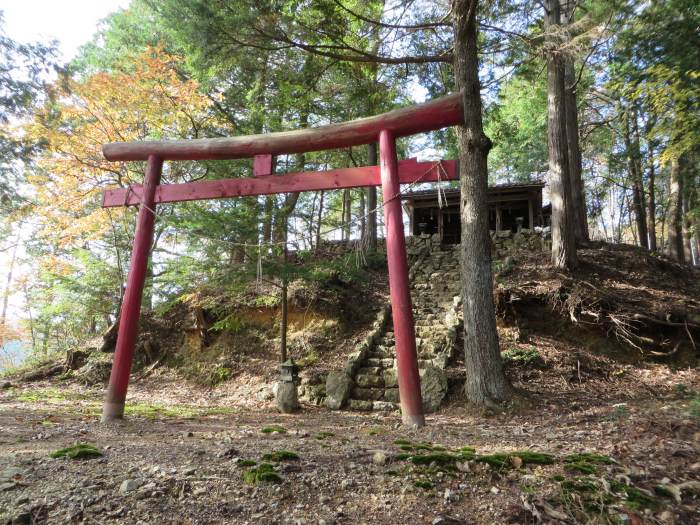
184 453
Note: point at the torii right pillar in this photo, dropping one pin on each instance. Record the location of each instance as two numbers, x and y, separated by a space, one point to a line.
401 309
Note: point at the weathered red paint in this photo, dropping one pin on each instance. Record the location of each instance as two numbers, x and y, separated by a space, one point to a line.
433 115
410 171
262 165
436 114
131 304
401 309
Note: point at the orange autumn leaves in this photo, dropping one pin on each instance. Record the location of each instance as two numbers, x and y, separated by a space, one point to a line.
151 101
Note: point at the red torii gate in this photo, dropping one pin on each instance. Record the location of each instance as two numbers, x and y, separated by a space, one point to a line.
436 114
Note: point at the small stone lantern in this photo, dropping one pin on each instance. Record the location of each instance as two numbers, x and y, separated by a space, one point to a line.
519 221
287 400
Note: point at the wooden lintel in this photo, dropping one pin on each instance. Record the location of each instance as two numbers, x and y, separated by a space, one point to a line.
410 171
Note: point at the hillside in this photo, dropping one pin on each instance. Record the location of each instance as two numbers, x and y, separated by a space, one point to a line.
585 384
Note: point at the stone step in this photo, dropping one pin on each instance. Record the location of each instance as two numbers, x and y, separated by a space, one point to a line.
361 405
367 394
369 381
381 363
369 371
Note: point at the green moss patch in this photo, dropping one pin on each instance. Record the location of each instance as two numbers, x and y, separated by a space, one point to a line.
274 429
425 485
78 451
586 462
265 473
281 455
444 459
246 463
324 435
502 460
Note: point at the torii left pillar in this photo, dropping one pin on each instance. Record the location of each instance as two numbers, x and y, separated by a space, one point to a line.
131 303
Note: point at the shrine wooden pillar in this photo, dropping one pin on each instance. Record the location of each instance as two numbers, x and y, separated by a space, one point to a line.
401 308
131 304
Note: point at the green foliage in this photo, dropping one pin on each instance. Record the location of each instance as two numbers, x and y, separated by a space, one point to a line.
246 463
77 451
264 473
425 485
281 455
517 125
503 460
523 356
274 429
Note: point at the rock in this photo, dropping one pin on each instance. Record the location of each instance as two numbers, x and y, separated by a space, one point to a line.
433 386
129 485
494 490
450 496
379 458
667 518
338 386
265 394
446 520
287 401
5 385
11 473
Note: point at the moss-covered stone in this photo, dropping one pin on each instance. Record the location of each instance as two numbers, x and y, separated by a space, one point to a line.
502 460
77 451
265 473
281 455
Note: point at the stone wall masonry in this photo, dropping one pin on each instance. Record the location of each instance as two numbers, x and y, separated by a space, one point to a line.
434 275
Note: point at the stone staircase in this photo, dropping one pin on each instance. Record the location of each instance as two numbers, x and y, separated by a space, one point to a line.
435 290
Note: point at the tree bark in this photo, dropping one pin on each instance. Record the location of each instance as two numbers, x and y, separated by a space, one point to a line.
485 382
651 202
563 239
318 222
347 215
675 212
634 170
372 201
578 192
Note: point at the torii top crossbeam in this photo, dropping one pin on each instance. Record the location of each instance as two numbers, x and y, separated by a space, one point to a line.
385 128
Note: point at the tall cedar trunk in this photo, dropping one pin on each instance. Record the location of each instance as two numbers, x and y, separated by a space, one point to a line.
372 201
363 216
693 183
283 301
563 239
318 221
578 192
347 214
633 168
485 381
267 219
675 212
651 201
687 225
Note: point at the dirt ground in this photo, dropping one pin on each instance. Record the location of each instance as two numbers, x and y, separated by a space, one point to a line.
580 352
178 457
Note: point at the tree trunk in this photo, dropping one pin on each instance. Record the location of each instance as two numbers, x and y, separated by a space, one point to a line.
8 285
563 239
318 222
578 192
675 212
363 216
347 215
651 202
372 202
633 168
283 304
267 219
485 381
